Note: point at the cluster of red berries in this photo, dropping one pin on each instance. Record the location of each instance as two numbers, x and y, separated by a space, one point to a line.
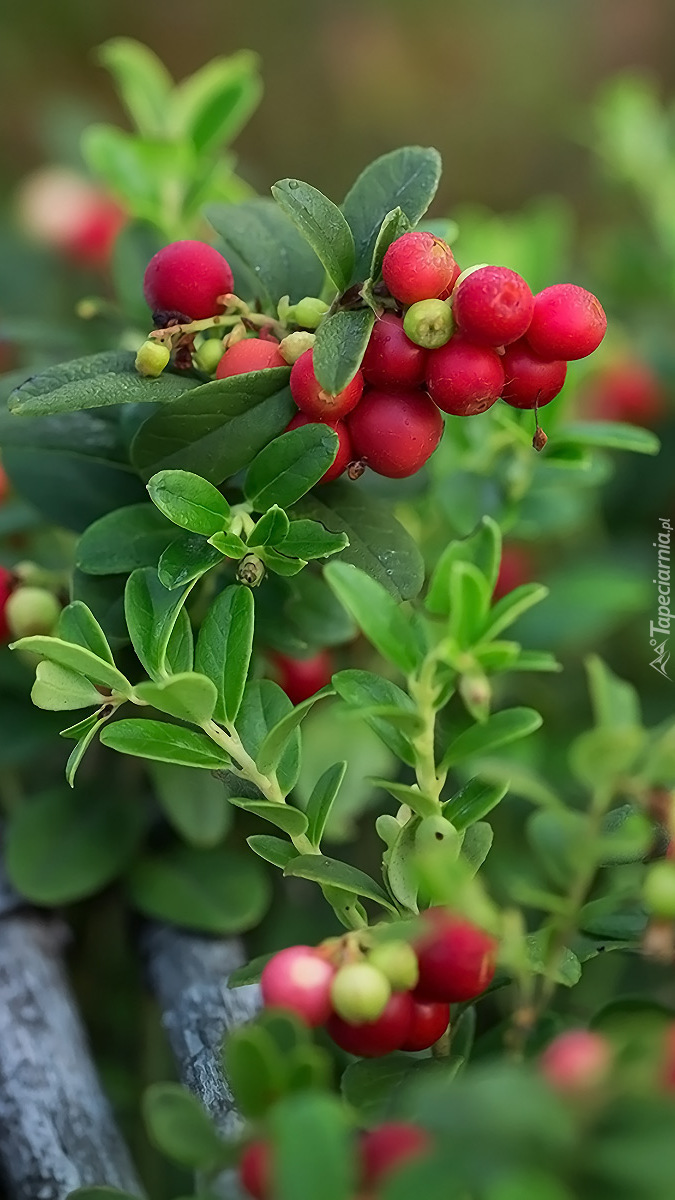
381 1151
389 996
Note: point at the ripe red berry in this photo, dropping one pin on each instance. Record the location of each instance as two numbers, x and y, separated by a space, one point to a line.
372 1039
576 1061
530 379
313 400
568 322
389 1147
301 678
626 391
298 979
395 433
68 213
418 266
456 959
492 306
445 295
429 1022
255 1170
515 569
250 354
344 454
186 278
464 379
6 586
391 359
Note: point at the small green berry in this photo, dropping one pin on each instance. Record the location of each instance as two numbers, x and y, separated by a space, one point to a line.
309 312
30 611
295 344
433 832
398 963
152 358
429 323
658 891
359 993
209 355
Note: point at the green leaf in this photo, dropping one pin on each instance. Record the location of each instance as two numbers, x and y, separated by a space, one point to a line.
164 743
321 801
277 260
272 849
510 607
560 838
616 703
185 560
340 345
263 706
180 646
290 465
195 802
63 845
134 246
330 872
58 689
272 747
363 690
229 544
189 501
270 530
217 891
370 1085
475 800
311 539
284 816
469 603
312 1147
405 179
78 624
254 1068
402 873
568 970
482 547
409 794
477 844
218 429
377 615
606 754
224 647
188 697
499 729
280 565
77 659
213 105
627 836
124 540
151 613
143 83
612 435
393 226
535 660
95 382
250 972
100 1193
181 1128
322 224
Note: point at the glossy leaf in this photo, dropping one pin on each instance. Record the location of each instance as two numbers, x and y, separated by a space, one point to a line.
95 381
284 816
58 689
272 849
264 704
124 540
186 559
289 466
77 659
475 800
188 697
341 341
164 743
78 624
393 226
377 614
152 613
273 746
321 801
271 529
499 729
189 501
224 645
363 691
310 539
330 872
322 224
276 258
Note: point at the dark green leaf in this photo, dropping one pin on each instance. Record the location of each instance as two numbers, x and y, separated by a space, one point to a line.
263 706
270 530
369 1085
280 565
475 800
181 1128
189 501
321 801
194 801
229 544
272 747
94 382
224 647
310 539
186 559
254 1068
330 872
123 540
187 696
152 613
498 730
164 743
322 224
376 613
290 465
272 849
78 624
340 345
217 891
274 254
284 816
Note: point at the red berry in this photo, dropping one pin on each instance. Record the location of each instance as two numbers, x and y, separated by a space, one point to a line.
515 569
372 1039
301 678
391 359
344 455
456 959
530 379
395 433
464 379
389 1147
300 980
626 391
186 278
250 354
313 400
445 295
255 1170
418 266
67 212
568 322
429 1022
6 588
576 1061
492 306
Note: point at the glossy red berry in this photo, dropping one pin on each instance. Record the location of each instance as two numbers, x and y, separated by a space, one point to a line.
418 266
576 1061
456 959
313 400
568 322
492 306
429 1022
395 433
300 980
626 391
186 278
515 569
391 359
344 454
250 354
255 1170
6 587
385 1149
464 379
457 271
301 678
530 379
372 1039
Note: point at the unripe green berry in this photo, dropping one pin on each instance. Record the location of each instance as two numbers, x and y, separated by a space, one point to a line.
209 355
152 357
30 611
309 312
436 831
658 891
429 323
293 346
398 963
359 993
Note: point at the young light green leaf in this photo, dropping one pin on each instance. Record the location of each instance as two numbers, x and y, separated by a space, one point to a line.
289 466
164 743
272 849
286 567
513 605
189 501
483 548
185 560
469 603
80 749
321 801
498 730
188 697
59 689
472 802
273 746
377 615
284 816
224 647
477 843
151 613
311 539
340 345
78 624
330 872
535 660
364 691
77 659
142 81
270 530
211 106
615 702
409 794
322 224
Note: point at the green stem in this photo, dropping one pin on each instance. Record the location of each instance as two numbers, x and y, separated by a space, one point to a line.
424 692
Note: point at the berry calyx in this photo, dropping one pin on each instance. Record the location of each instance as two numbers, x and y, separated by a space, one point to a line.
429 1022
658 891
464 379
151 358
391 359
418 266
576 1062
6 586
492 306
429 323
398 963
529 379
568 322
344 453
371 1039
313 400
255 1170
250 354
395 433
385 1149
456 959
188 278
300 980
359 993
301 678
30 611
